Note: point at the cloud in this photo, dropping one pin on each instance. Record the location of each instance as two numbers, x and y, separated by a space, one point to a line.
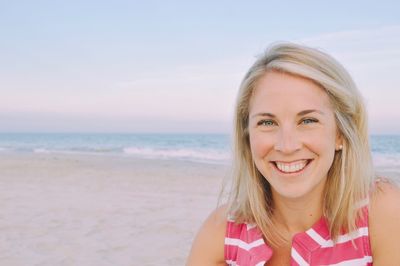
204 91
372 57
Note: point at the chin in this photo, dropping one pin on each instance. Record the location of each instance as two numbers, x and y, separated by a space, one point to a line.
293 193
298 190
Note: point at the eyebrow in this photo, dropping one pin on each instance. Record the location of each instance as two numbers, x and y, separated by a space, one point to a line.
304 112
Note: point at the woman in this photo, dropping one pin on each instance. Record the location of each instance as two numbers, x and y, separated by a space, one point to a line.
304 191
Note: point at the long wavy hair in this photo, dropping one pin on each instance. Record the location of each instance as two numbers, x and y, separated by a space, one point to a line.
351 174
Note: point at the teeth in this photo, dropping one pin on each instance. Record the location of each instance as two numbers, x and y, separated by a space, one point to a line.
291 167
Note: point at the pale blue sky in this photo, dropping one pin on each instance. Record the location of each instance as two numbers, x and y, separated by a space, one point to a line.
175 66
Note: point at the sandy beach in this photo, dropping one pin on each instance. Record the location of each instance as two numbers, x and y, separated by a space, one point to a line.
102 210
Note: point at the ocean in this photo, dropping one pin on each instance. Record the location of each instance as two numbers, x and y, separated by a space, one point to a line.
209 148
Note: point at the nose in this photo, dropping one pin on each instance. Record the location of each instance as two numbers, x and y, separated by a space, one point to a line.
287 141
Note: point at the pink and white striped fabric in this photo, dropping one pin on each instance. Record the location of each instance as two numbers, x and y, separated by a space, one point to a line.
244 246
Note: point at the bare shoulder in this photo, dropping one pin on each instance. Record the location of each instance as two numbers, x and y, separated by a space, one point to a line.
385 224
208 246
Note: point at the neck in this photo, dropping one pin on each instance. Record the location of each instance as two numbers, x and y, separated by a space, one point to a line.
298 214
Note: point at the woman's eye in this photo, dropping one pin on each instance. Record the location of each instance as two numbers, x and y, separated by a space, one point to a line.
267 123
309 121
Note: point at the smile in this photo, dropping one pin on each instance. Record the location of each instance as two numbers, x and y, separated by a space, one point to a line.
292 167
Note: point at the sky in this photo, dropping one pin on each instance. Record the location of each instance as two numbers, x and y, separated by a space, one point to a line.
175 66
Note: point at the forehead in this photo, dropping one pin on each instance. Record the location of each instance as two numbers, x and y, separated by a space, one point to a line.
280 91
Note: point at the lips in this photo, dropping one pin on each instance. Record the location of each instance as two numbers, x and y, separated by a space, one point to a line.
291 167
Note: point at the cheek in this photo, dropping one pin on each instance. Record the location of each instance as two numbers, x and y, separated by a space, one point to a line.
320 145
259 145
324 146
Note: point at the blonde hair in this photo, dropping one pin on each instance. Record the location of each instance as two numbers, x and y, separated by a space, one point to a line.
351 173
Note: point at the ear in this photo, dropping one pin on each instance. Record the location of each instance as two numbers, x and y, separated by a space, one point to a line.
339 141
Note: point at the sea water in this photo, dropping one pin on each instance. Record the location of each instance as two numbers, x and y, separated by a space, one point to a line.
210 148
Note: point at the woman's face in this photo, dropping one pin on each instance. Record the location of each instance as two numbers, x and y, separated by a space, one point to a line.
292 134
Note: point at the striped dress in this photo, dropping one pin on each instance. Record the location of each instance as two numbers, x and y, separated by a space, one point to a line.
245 246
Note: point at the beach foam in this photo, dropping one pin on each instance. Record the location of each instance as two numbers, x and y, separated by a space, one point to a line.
183 153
